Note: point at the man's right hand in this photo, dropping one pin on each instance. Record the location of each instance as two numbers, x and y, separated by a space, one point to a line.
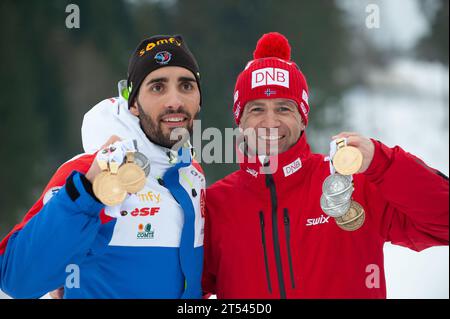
94 170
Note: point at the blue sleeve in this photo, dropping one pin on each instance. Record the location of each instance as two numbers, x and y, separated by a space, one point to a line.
61 234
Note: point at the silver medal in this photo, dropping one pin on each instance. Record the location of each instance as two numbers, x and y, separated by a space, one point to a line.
142 161
336 196
337 188
334 210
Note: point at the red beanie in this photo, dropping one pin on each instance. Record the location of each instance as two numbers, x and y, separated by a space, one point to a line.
271 75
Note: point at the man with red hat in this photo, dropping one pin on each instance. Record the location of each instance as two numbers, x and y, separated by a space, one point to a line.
268 235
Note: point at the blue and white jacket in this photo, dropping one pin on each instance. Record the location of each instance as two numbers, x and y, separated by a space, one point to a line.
154 249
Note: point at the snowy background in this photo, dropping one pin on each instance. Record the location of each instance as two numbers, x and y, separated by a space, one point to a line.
419 124
406 104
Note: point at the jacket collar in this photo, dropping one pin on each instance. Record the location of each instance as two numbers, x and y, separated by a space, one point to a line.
284 167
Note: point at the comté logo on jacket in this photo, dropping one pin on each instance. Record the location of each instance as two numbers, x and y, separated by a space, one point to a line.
145 232
317 221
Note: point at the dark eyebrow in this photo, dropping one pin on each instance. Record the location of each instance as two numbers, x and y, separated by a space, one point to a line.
157 80
165 80
186 79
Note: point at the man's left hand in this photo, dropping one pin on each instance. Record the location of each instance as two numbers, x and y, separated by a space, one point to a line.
362 143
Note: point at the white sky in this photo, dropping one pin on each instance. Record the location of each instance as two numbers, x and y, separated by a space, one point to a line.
401 21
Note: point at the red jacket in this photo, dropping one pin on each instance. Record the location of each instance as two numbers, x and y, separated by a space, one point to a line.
266 236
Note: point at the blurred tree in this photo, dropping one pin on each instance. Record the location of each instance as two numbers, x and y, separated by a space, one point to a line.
435 45
28 105
50 76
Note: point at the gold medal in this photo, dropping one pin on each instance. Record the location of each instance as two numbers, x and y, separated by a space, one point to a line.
107 186
348 159
353 219
97 180
131 175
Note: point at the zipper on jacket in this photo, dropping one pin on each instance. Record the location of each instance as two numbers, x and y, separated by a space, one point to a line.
263 239
270 183
287 231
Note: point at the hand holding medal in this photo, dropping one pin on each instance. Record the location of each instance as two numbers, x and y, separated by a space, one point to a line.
336 200
348 159
120 174
107 186
355 144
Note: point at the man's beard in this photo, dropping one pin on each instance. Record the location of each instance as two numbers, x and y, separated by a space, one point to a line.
154 131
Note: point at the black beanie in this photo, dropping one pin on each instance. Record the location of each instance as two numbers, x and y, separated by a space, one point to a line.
157 52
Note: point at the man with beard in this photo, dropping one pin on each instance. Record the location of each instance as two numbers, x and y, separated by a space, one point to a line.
267 234
151 244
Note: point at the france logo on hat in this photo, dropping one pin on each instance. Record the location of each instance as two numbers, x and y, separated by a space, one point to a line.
163 57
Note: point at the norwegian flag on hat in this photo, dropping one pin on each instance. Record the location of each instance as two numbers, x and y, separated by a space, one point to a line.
270 75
